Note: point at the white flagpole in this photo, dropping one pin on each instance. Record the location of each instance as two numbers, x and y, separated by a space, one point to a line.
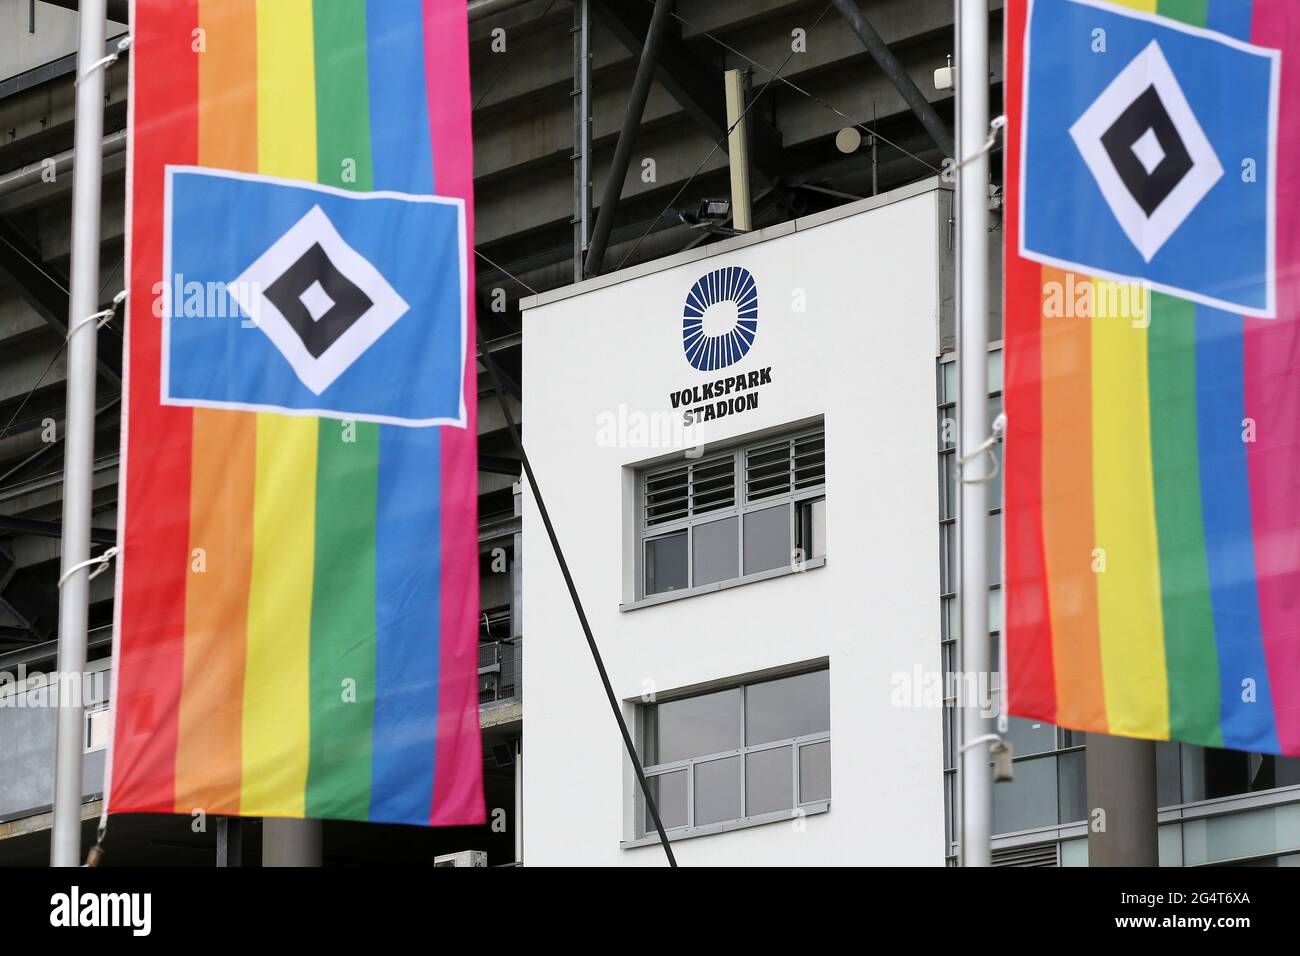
79 438
972 20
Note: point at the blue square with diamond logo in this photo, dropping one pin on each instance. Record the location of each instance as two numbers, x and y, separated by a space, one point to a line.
1148 153
290 297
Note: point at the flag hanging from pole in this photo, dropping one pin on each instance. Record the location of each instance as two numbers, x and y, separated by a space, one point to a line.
1152 343
297 592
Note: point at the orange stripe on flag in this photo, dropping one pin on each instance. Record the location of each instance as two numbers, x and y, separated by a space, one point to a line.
228 85
1068 532
209 749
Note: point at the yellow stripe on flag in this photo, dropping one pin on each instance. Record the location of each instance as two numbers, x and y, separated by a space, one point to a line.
277 718
1128 589
286 90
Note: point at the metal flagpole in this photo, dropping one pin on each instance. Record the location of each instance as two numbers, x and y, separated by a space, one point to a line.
972 19
79 441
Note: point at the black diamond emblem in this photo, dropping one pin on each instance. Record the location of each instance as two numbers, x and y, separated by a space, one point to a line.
1147 112
286 292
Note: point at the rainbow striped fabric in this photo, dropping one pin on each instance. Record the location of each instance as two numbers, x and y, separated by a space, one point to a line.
297 594
1152 511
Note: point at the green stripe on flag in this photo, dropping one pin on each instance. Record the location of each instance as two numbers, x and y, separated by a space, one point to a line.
342 95
1191 12
347 472
1191 657
343 621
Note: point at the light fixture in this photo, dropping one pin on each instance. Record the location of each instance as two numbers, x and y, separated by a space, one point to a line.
709 216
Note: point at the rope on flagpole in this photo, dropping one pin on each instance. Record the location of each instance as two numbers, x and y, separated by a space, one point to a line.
96 853
103 561
123 45
998 123
100 318
984 448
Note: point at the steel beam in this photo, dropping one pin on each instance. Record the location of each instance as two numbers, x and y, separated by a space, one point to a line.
10 524
118 10
45 289
892 69
696 84
499 465
613 191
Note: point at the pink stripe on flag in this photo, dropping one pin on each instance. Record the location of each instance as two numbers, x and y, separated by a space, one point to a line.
457 784
1272 357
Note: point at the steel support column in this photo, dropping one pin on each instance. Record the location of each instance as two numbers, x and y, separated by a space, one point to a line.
645 71
1122 829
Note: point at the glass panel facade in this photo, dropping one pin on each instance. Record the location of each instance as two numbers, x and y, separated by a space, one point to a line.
767 539
717 790
669 793
1071 788
815 772
788 707
665 563
1030 736
812 528
714 552
1029 800
746 751
693 727
1236 836
768 781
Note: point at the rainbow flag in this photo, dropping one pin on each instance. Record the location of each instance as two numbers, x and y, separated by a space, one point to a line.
1152 340
297 591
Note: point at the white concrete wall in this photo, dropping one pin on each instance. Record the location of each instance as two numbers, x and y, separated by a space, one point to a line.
862 355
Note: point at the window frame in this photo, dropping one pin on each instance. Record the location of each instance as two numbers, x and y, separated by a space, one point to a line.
792 500
93 713
644 829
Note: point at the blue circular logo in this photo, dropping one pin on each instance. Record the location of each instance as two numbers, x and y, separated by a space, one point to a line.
711 352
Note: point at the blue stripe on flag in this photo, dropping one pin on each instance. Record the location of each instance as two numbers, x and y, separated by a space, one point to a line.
399 125
408 574
1229 536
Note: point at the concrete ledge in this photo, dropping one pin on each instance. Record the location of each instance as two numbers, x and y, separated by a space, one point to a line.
43 821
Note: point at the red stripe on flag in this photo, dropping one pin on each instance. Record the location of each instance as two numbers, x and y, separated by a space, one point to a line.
1028 669
156 499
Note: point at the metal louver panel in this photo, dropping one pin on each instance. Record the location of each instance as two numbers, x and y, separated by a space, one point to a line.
1042 854
692 489
810 460
780 467
667 496
713 485
767 470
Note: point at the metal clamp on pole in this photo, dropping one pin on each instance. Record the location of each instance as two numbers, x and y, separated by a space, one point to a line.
122 46
985 448
998 123
104 560
100 318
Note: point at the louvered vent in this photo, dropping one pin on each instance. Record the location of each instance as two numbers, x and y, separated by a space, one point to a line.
1043 854
780 467
690 489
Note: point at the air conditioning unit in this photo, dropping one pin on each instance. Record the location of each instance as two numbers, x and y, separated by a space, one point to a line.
463 858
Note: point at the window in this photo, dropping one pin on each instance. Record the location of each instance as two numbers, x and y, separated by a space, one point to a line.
97 723
739 754
755 509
